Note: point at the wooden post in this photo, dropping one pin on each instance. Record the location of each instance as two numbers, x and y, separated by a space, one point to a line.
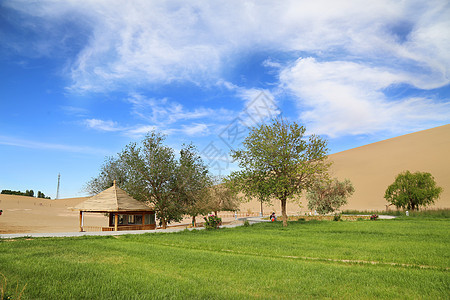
116 221
81 221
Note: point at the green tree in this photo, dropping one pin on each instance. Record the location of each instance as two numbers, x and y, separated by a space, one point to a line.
152 177
194 183
278 162
150 172
328 195
412 190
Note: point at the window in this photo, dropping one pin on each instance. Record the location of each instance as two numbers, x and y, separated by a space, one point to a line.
149 219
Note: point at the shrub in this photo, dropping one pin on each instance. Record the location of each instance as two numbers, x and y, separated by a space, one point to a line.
212 222
246 223
337 217
374 217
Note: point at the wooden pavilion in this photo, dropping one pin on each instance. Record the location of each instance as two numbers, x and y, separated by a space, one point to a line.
125 212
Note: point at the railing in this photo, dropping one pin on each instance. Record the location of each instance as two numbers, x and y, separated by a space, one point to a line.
119 228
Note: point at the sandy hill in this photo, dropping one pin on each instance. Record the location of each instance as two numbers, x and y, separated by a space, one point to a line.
372 168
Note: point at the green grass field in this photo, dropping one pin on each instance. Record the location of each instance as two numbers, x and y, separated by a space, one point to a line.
401 258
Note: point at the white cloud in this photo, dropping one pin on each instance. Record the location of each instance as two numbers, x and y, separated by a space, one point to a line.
337 98
195 129
102 125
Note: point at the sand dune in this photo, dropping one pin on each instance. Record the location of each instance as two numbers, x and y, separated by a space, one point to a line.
371 169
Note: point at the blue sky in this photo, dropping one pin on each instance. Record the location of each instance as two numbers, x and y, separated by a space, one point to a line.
82 79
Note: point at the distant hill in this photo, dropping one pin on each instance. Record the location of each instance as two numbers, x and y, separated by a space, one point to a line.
372 168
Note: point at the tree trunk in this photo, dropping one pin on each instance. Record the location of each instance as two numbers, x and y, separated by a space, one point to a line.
163 223
194 223
283 211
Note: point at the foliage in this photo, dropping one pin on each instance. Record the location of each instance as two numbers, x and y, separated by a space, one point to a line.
28 193
328 195
277 162
193 183
42 195
412 190
337 217
212 222
374 217
424 213
246 223
150 173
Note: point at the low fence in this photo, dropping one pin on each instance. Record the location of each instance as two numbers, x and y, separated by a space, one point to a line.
119 228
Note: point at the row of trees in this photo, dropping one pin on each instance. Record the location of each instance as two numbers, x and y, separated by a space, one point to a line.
28 193
277 162
176 186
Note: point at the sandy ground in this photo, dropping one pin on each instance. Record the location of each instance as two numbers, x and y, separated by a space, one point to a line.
371 169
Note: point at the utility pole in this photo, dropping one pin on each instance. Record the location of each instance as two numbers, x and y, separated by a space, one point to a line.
57 189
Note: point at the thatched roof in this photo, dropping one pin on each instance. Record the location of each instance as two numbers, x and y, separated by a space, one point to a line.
113 199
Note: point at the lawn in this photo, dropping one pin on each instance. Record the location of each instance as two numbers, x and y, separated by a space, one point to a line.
401 258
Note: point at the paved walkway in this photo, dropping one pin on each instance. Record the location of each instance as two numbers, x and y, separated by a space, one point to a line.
251 220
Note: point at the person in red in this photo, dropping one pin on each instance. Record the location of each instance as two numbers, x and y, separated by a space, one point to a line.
273 217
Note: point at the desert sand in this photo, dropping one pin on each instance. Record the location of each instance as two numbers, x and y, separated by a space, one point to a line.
370 168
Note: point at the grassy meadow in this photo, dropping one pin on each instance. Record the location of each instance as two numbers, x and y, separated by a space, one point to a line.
400 258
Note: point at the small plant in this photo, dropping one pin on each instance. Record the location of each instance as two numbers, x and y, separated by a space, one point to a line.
374 217
337 217
212 222
246 223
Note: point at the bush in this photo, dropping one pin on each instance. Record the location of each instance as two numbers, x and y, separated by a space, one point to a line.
212 222
337 217
374 217
246 223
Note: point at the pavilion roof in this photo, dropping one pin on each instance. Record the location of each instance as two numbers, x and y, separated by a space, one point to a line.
113 199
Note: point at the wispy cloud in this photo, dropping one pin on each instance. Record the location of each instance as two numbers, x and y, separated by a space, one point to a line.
347 98
17 142
102 125
141 42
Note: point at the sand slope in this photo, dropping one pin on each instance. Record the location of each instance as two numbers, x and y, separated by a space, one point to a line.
372 168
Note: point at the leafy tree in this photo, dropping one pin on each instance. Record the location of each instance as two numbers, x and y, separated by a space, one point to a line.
327 196
278 162
412 190
194 183
152 177
150 173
